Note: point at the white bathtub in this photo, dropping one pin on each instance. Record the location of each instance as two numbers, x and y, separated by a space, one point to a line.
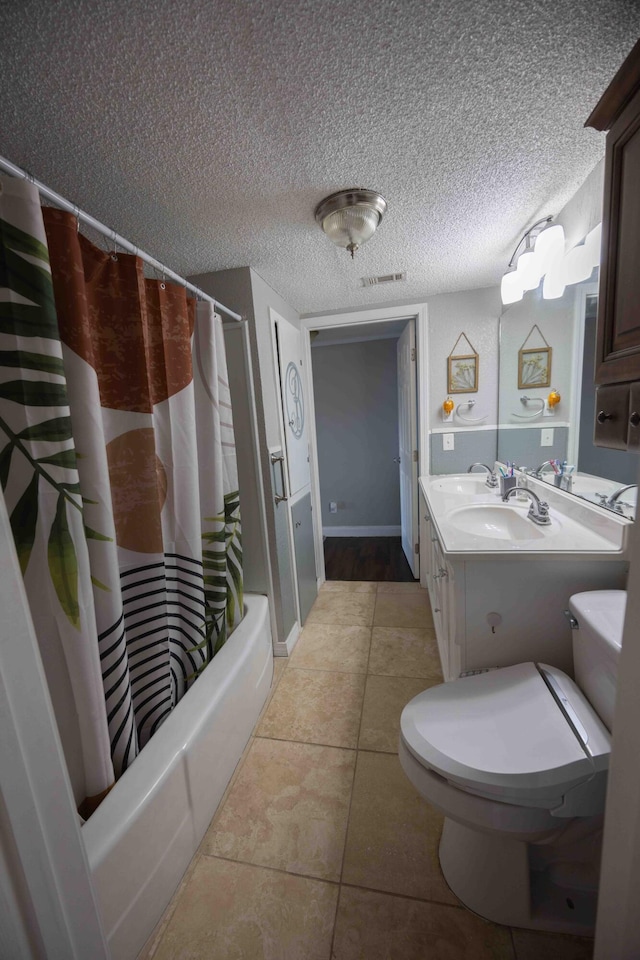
142 837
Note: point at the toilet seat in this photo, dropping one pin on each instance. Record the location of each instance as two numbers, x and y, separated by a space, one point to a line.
504 735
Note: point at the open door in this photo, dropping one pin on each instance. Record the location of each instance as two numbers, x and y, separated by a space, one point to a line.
296 464
408 443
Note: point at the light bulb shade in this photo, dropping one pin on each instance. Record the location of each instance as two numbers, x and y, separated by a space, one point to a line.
511 289
350 217
553 286
529 270
549 246
577 265
353 225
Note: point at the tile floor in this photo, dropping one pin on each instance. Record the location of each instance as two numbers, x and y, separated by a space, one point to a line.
321 848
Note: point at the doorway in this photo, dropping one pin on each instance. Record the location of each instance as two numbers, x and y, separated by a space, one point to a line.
356 461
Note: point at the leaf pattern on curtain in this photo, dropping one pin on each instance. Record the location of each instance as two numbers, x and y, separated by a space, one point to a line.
38 472
117 460
151 411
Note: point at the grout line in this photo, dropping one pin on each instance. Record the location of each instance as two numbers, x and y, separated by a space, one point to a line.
266 866
308 743
407 896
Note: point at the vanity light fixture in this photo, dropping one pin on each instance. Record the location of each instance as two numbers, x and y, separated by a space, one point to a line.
350 217
542 244
546 258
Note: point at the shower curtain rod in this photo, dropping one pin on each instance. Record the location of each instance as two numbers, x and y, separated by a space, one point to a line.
119 241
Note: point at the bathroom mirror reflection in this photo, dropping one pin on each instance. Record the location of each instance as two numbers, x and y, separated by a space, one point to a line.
531 431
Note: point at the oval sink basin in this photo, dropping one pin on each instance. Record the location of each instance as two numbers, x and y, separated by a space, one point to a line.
465 484
499 522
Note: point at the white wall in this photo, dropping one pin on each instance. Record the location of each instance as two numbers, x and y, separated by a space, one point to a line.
475 313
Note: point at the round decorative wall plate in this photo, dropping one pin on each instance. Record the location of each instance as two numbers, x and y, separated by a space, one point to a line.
294 401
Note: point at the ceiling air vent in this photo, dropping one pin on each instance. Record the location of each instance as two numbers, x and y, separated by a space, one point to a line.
384 278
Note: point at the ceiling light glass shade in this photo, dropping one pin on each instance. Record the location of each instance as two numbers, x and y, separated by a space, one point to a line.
553 286
350 217
528 270
577 265
549 246
511 288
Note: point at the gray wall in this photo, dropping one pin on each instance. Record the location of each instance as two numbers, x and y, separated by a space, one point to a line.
356 401
472 446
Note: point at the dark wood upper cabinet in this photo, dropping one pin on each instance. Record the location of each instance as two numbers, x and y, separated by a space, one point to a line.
618 328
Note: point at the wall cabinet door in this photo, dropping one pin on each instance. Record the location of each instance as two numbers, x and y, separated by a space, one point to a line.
618 327
618 346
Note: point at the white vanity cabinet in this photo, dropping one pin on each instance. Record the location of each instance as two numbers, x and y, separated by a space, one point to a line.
438 576
493 608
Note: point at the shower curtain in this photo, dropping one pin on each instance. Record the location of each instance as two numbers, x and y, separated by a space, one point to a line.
117 460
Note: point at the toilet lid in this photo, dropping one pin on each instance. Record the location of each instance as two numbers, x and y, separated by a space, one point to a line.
503 733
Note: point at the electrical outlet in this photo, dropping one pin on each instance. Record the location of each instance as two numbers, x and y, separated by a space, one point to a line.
546 437
447 441
333 506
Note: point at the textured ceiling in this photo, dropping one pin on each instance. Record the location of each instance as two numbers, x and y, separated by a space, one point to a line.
206 132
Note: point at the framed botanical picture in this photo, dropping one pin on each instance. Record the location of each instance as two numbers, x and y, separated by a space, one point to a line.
534 367
463 373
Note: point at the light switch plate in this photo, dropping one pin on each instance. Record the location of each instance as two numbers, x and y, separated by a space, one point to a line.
546 437
447 441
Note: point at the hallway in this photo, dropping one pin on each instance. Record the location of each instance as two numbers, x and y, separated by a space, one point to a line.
321 848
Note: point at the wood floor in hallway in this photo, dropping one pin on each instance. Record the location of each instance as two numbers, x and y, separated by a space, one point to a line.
366 558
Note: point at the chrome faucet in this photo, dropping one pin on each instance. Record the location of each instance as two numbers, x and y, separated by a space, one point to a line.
538 470
492 480
612 501
539 509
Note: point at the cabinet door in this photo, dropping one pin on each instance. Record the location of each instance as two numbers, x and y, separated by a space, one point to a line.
426 528
618 356
305 555
633 435
612 416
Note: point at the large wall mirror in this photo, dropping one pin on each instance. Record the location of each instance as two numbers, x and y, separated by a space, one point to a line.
545 346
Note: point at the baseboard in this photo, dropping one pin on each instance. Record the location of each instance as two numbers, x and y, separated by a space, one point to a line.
284 648
361 531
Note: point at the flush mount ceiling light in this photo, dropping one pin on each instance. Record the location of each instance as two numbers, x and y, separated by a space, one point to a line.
350 217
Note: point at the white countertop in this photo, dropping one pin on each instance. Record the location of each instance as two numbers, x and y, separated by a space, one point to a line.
578 529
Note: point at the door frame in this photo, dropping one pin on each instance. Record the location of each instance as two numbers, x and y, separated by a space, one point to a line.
417 311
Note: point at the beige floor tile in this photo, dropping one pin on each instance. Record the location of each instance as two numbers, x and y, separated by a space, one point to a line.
316 707
404 652
393 586
288 809
532 946
393 836
343 649
376 926
384 700
231 911
335 606
411 609
348 586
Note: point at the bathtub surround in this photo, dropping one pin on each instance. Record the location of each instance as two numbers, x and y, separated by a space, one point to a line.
285 871
118 465
140 840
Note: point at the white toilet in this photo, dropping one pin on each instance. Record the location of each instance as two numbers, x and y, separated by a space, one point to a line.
516 758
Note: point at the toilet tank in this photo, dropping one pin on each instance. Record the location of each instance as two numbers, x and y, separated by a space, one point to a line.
596 647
